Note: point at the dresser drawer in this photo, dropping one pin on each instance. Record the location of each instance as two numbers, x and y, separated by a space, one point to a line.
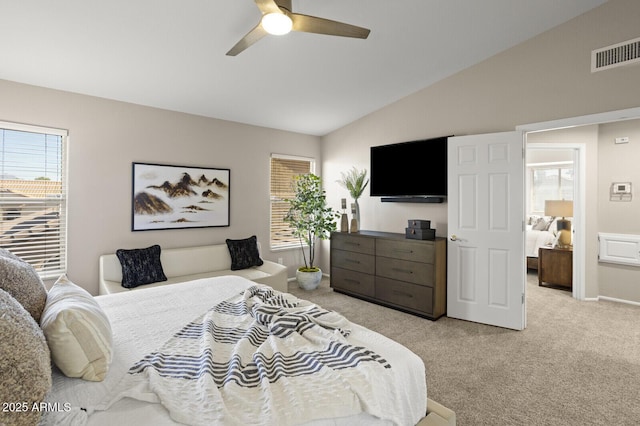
353 282
351 242
406 250
404 270
353 261
416 297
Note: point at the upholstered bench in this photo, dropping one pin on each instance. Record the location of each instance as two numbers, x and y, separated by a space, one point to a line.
192 263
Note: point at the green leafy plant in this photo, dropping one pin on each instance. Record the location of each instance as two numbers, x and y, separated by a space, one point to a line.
309 216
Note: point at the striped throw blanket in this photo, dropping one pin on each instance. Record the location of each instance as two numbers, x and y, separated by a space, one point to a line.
262 358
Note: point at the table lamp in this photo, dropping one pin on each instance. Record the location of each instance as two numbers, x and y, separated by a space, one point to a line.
563 209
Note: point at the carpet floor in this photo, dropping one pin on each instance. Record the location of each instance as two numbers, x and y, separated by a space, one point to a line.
576 363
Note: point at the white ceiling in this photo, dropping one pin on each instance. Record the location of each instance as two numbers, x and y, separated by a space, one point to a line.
171 53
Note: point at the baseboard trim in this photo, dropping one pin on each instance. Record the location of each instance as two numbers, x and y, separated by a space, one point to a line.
613 299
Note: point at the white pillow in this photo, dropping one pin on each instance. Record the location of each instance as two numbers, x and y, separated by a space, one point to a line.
78 332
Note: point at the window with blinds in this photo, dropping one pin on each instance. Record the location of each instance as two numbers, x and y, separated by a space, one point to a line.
549 182
33 201
283 171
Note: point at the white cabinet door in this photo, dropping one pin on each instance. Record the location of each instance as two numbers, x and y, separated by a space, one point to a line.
485 252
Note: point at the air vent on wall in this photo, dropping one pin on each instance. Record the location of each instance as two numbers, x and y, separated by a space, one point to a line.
617 55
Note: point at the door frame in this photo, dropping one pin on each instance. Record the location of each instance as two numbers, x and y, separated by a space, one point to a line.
579 195
579 256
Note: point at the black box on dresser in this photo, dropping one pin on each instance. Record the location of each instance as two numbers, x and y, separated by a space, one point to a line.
420 229
419 224
391 270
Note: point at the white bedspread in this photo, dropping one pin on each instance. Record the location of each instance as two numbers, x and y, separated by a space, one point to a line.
143 320
535 240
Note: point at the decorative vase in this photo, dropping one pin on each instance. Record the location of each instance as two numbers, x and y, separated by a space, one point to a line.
357 210
344 223
354 225
355 221
308 280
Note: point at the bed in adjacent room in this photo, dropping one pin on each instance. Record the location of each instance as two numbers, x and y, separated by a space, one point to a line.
226 350
539 233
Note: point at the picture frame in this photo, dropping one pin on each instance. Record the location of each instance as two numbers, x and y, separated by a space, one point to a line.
178 197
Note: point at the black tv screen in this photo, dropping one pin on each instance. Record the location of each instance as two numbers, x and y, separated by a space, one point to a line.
409 169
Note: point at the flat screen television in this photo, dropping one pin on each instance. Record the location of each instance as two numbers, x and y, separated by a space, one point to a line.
410 171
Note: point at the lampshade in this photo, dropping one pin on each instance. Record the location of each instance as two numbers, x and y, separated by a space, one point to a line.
558 208
276 23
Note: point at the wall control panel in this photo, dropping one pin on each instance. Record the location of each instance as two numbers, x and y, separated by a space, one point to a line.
620 191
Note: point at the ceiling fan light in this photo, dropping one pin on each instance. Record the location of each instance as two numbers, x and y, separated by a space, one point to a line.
277 23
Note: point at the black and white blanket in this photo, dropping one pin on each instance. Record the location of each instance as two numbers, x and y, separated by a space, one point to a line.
263 358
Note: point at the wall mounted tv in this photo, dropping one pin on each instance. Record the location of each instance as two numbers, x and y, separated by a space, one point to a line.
410 171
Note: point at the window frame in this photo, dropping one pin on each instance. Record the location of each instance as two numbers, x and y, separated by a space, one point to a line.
275 199
558 166
61 198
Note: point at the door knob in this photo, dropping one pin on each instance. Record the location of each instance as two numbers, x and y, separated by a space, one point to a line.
453 238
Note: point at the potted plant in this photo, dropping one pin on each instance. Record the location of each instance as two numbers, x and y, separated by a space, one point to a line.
355 181
311 220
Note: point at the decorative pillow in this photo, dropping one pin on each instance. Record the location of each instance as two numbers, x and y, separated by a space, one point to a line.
78 332
25 363
540 225
20 280
244 253
141 266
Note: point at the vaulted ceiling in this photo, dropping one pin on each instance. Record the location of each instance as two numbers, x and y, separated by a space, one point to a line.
170 54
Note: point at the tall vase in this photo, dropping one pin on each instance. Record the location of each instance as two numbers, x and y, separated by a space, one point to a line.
357 212
344 223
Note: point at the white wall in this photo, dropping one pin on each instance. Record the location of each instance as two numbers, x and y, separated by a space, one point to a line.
105 137
543 79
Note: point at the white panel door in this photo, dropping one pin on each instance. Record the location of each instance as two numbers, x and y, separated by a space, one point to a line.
485 252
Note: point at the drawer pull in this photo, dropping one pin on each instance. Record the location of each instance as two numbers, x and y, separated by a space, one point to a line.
403 251
404 271
403 294
352 261
350 280
351 243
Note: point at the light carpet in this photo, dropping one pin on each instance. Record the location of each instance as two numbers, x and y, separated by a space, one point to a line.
576 363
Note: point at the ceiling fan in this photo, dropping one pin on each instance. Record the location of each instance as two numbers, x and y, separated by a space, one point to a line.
278 19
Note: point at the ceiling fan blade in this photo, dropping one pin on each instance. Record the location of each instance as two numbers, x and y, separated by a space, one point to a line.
267 6
252 36
313 24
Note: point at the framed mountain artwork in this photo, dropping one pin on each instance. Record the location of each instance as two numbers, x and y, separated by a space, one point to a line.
176 197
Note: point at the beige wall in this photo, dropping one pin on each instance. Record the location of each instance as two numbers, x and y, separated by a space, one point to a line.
105 137
619 163
545 78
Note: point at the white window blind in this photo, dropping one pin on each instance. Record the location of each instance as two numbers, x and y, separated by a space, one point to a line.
549 182
33 198
284 169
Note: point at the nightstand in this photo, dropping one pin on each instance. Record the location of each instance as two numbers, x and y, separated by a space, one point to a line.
555 267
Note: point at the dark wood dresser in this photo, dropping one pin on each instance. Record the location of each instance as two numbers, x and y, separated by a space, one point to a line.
389 269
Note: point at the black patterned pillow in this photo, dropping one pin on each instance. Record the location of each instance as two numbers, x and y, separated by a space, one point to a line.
141 266
244 253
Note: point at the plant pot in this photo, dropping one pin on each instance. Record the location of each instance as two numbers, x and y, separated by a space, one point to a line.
308 280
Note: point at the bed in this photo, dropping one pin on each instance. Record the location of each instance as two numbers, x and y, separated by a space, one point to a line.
391 389
539 233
